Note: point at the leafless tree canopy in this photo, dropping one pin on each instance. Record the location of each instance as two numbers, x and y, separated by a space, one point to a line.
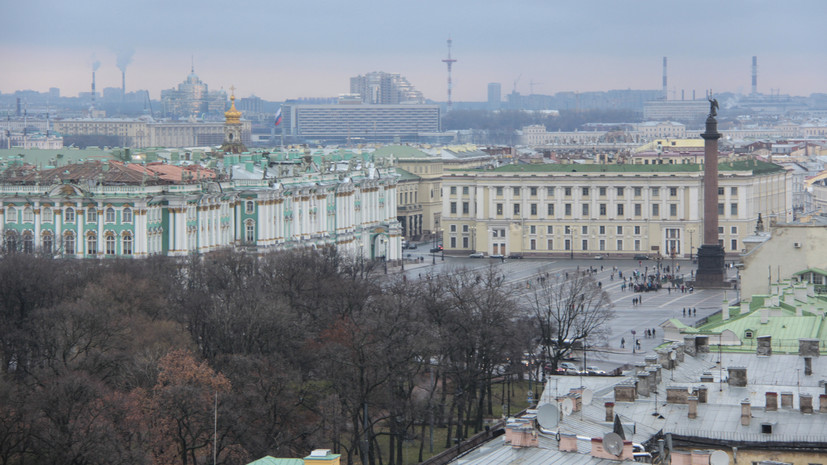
569 311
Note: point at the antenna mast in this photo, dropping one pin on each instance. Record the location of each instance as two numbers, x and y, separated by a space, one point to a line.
449 61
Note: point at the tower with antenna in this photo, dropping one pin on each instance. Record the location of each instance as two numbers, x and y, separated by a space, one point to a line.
449 61
665 97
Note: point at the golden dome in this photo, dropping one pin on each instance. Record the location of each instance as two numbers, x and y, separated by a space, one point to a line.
232 115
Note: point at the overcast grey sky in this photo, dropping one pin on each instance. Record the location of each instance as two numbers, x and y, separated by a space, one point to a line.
309 48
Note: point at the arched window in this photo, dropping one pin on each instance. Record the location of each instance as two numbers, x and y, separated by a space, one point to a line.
11 241
28 242
91 214
70 215
47 215
249 206
250 231
28 215
110 243
127 243
110 215
11 214
69 242
126 216
46 238
91 243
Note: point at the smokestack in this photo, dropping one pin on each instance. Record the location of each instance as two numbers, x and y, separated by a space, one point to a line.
124 58
664 79
93 89
754 75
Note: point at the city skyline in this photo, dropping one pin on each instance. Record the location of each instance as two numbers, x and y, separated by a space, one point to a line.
282 50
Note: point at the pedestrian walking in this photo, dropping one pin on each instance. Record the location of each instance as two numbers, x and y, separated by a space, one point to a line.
653 332
622 342
684 311
637 343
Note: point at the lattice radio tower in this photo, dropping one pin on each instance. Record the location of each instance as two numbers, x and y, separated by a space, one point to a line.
449 61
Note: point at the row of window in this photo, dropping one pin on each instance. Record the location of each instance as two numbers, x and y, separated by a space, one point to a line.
602 209
585 191
584 244
47 215
532 229
25 242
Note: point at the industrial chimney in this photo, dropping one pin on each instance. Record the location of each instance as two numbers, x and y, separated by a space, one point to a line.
123 84
754 75
664 79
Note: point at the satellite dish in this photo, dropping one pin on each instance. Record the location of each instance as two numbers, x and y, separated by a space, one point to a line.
568 406
613 444
587 396
719 457
673 355
548 415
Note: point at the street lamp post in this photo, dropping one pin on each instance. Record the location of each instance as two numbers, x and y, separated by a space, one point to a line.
442 239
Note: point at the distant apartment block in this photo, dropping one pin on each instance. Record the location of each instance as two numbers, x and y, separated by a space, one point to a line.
360 121
385 89
192 98
686 111
494 95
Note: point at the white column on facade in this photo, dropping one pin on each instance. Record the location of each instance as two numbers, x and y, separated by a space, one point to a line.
100 228
37 220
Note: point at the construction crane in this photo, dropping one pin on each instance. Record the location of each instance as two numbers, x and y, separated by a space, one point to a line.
515 84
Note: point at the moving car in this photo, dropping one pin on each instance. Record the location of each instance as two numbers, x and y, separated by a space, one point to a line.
641 257
598 257
496 255
515 255
477 255
436 249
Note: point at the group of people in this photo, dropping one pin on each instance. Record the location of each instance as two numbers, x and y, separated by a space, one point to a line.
691 311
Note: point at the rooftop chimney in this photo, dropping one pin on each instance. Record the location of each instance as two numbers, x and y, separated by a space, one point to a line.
568 442
746 412
808 347
786 400
625 392
610 410
693 407
771 402
764 347
805 402
737 376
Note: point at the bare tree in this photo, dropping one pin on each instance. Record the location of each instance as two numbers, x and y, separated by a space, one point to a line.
569 311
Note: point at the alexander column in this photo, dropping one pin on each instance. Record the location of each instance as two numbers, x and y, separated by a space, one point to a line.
711 254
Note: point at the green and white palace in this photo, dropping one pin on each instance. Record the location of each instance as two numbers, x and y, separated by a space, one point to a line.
109 209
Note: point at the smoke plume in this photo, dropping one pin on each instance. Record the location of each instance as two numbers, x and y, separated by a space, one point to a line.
125 58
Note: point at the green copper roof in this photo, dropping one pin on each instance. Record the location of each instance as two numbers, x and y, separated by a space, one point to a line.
405 175
400 151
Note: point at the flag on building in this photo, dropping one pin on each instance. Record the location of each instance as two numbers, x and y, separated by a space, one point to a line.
278 117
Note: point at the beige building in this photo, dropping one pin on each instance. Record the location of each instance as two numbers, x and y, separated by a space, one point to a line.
661 129
138 133
784 251
419 188
613 210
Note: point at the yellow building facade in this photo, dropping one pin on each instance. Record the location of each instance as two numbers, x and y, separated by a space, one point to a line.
609 210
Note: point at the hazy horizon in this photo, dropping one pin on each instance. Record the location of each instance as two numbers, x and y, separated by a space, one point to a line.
281 50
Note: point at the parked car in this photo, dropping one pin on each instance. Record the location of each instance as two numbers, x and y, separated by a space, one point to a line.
496 255
411 246
641 257
477 255
515 255
593 370
598 257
